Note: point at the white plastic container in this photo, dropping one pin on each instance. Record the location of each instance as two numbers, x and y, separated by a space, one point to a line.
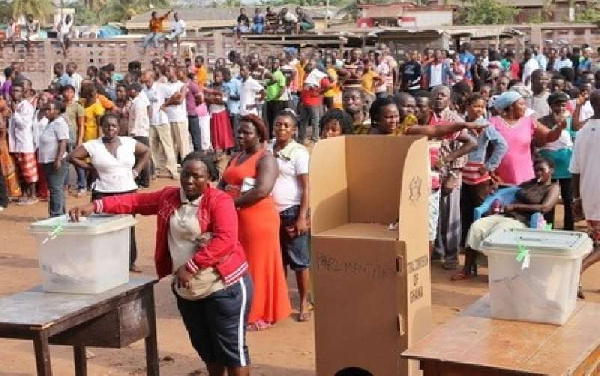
86 257
545 290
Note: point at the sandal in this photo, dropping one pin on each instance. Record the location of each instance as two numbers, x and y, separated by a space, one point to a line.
258 326
135 269
462 275
304 316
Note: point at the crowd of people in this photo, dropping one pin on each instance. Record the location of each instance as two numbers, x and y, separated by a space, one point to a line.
273 22
492 122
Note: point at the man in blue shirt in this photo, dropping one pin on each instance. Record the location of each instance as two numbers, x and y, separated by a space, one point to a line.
233 87
468 59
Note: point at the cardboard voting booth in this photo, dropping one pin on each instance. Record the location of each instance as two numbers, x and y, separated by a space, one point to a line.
372 285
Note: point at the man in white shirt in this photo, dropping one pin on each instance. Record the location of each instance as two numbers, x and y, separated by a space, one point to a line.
64 32
160 137
540 57
586 179
563 61
139 125
178 31
21 141
530 65
174 106
251 91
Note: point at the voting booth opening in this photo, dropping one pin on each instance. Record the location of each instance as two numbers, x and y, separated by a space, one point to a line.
372 282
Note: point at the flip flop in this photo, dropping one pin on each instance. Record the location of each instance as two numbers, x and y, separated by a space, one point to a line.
135 269
460 276
304 316
259 326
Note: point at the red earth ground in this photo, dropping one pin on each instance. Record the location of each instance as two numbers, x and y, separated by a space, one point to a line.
287 349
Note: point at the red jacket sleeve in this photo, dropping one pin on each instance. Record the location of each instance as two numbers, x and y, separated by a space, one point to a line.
133 203
224 235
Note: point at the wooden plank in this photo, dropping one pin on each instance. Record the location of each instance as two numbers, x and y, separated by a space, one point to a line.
152 365
79 357
36 308
476 340
42 354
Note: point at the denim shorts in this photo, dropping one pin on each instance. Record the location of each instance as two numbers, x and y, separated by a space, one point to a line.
295 249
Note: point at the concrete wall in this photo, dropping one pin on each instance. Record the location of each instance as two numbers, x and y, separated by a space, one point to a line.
429 18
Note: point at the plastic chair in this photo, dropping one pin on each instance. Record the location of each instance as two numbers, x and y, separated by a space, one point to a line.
505 196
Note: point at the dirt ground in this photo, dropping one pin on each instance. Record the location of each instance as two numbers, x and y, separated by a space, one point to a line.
287 349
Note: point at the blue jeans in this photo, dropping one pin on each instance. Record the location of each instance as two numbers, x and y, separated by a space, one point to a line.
235 123
258 28
294 248
294 99
194 128
153 38
312 116
56 179
81 179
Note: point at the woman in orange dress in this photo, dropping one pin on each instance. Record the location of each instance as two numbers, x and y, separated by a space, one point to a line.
249 179
7 166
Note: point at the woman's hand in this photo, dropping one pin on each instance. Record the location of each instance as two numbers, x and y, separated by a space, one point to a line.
301 226
57 164
183 277
582 98
450 184
81 211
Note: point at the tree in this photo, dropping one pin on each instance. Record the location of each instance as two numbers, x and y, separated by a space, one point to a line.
116 10
591 15
39 8
485 12
5 10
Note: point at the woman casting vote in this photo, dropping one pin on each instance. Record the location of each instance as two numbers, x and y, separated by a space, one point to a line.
197 242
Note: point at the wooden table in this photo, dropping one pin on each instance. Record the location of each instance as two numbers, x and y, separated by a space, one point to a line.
474 344
113 319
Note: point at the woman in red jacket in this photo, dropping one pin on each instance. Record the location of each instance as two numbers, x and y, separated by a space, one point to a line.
197 242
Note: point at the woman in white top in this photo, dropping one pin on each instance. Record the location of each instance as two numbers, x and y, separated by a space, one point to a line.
52 150
291 199
113 160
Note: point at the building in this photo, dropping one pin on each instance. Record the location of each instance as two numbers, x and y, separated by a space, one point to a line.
405 14
207 19
536 10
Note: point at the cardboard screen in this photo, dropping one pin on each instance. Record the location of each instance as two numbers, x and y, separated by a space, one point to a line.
328 185
374 169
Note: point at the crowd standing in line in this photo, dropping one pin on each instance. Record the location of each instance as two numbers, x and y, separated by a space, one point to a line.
491 122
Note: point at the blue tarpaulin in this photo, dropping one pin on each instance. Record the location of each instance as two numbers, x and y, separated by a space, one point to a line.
109 31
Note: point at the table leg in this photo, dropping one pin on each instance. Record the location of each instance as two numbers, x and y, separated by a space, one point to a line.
151 342
42 354
80 359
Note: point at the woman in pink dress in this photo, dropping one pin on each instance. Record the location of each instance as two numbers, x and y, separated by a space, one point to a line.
521 133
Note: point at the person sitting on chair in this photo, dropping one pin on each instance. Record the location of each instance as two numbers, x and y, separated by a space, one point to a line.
258 22
537 195
305 22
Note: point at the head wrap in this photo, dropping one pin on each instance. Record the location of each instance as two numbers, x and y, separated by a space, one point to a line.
504 100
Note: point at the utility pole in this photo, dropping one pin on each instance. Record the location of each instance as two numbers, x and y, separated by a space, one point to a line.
327 15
